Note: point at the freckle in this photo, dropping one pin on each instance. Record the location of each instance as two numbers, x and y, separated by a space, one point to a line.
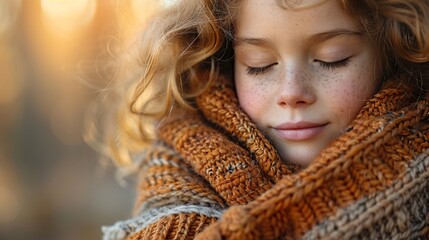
262 84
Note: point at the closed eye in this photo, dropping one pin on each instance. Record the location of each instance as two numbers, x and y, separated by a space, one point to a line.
259 70
332 65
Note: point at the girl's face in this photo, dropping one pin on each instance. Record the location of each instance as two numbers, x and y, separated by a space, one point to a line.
302 75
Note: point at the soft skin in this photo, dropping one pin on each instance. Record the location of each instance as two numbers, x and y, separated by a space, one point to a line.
302 75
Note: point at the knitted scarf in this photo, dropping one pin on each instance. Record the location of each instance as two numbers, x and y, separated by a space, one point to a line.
214 175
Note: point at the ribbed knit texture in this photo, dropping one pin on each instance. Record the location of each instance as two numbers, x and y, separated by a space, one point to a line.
213 175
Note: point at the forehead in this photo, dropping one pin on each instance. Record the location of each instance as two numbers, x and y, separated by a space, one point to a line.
257 17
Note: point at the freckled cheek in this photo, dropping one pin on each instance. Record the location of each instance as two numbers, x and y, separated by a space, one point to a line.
350 93
252 98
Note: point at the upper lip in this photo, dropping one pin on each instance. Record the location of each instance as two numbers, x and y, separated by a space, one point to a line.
298 125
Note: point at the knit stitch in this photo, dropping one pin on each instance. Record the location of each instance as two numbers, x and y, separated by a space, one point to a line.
398 212
215 176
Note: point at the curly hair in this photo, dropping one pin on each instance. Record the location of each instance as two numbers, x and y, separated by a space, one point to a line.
193 36
399 29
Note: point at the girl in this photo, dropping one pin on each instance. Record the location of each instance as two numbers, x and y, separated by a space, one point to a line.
280 119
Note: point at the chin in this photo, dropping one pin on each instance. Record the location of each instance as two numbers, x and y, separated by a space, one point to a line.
303 161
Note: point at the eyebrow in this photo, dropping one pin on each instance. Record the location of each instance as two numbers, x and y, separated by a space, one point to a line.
323 36
318 37
261 42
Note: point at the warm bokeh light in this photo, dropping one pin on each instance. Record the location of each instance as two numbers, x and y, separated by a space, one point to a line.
133 15
143 9
11 81
168 3
50 180
67 15
9 10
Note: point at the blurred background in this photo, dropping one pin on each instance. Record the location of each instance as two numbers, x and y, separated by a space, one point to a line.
52 184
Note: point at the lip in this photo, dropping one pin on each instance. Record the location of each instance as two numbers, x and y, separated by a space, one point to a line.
299 130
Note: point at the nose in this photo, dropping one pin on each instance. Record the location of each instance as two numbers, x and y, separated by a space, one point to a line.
296 89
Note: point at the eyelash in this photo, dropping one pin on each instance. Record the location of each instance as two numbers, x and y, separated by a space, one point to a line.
333 65
326 65
259 70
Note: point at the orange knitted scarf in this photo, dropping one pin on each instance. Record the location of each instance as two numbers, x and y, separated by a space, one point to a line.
216 176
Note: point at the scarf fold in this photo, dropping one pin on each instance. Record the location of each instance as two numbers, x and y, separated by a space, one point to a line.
272 199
